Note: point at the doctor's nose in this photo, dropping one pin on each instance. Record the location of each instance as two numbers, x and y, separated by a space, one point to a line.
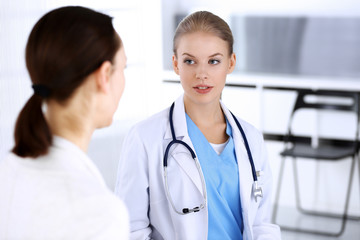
201 74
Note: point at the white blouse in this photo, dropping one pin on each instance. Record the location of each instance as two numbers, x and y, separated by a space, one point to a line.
61 195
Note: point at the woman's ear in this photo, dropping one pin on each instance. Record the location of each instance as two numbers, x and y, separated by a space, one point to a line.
175 64
102 76
232 63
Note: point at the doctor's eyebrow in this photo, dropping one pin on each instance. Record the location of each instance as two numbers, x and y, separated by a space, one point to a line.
216 54
188 54
213 55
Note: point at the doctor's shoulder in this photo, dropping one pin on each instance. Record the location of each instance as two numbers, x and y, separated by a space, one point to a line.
152 127
250 130
256 141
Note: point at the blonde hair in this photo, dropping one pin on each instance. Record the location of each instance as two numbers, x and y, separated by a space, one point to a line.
203 21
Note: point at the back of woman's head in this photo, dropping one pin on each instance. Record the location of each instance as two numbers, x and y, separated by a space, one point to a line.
64 47
207 22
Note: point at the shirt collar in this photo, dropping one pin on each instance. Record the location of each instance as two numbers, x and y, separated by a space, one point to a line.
78 158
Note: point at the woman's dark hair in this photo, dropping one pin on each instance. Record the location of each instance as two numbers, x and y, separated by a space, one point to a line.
203 21
64 47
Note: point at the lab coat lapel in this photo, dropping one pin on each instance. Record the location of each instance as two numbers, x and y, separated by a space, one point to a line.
181 132
245 172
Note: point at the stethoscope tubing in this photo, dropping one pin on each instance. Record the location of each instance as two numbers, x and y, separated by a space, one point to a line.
174 140
198 167
247 148
193 155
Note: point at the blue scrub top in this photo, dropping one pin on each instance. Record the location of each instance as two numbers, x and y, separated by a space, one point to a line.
222 184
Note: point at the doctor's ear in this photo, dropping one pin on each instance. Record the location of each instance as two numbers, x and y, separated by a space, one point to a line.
175 64
102 76
232 63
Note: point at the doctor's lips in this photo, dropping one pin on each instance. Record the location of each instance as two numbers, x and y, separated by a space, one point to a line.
203 88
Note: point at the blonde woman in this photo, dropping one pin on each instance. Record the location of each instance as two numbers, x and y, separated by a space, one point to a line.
195 171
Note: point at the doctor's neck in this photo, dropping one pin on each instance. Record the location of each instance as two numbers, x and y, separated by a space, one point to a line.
206 114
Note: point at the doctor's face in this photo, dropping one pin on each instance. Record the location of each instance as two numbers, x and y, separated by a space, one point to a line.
202 62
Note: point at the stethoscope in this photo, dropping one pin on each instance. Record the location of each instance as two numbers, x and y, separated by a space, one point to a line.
257 190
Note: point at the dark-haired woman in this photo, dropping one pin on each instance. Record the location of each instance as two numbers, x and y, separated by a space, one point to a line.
49 187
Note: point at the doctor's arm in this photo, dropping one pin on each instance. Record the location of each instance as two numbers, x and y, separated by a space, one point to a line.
133 184
262 227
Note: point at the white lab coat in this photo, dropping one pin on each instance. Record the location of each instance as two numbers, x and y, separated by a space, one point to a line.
141 181
58 196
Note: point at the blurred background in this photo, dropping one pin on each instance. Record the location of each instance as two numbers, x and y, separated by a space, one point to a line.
280 45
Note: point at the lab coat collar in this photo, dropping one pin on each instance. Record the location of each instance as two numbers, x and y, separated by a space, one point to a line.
78 157
245 171
179 120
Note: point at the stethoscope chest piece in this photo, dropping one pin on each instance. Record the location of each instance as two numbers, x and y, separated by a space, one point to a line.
257 191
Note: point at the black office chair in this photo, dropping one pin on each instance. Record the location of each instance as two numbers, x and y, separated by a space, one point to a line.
327 149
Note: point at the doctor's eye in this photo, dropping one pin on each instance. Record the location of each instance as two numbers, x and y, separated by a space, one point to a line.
214 61
189 61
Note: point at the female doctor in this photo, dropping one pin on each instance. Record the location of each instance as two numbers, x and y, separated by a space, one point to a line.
185 172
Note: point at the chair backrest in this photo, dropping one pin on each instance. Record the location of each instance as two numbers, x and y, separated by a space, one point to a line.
302 102
326 100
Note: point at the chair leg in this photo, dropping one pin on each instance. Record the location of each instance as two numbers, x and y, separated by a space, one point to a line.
317 213
296 183
343 216
348 194
358 158
278 189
